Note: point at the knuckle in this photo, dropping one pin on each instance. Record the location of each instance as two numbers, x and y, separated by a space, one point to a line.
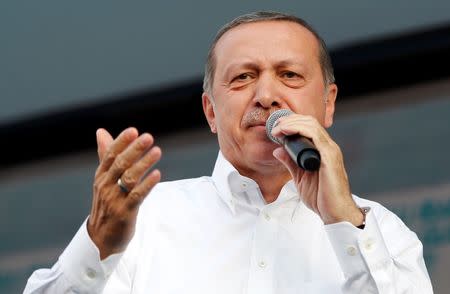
96 187
109 156
98 173
120 163
128 179
311 118
145 162
101 194
135 198
336 148
336 151
141 144
134 195
150 158
323 140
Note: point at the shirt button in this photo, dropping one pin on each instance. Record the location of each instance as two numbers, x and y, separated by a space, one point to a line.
262 264
351 250
90 273
266 216
369 244
244 185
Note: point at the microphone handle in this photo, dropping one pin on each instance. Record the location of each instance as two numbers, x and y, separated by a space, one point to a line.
303 152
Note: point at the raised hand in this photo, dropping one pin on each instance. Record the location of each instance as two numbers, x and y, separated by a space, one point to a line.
114 209
327 190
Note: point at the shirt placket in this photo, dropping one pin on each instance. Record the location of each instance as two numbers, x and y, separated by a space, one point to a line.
262 262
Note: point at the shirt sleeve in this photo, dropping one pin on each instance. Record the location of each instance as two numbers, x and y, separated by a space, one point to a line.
385 257
79 270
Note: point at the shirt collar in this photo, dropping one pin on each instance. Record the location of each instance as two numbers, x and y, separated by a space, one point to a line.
228 181
222 173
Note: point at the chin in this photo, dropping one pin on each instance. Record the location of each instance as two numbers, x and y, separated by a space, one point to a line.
263 154
264 162
256 157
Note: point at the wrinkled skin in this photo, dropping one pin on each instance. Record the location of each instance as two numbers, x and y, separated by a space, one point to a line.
262 67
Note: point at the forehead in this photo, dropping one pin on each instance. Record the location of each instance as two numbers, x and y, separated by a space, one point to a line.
267 40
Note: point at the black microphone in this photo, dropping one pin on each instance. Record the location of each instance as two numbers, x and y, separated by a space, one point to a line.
301 149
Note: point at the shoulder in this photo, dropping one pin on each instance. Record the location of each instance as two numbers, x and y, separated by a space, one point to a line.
173 194
185 188
182 185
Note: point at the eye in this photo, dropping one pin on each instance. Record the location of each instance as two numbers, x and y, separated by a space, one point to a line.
292 79
290 75
242 77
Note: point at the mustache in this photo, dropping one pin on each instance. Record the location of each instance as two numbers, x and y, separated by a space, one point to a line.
256 116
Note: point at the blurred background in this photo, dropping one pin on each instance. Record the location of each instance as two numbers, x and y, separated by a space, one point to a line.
67 68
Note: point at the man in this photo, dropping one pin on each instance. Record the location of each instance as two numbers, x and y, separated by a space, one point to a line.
260 224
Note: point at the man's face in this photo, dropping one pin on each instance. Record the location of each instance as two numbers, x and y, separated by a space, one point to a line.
262 67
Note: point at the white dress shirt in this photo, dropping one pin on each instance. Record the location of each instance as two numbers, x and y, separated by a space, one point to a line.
217 235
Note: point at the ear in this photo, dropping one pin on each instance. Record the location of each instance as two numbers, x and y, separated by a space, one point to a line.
208 110
330 101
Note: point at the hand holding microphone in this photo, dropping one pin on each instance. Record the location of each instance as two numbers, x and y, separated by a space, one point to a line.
327 191
300 149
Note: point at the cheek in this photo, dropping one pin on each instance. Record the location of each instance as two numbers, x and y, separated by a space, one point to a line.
309 104
227 119
231 108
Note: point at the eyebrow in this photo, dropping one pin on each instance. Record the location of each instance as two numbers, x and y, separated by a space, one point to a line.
248 64
254 66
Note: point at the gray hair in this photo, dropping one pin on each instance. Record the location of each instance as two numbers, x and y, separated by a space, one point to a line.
324 56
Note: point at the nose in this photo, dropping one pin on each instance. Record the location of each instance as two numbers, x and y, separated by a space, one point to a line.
267 94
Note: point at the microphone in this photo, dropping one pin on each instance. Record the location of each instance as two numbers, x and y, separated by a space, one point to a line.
300 149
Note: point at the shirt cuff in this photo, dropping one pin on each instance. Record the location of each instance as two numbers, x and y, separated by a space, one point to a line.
81 262
358 250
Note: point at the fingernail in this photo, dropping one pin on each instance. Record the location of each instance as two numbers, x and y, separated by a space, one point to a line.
146 138
131 130
276 153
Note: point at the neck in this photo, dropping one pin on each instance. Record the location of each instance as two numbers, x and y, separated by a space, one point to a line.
269 183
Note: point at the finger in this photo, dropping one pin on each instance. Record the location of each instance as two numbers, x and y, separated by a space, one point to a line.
310 128
281 154
138 194
116 147
129 156
104 140
133 175
289 125
308 190
305 126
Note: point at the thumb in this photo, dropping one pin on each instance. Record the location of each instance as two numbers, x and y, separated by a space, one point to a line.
281 154
104 140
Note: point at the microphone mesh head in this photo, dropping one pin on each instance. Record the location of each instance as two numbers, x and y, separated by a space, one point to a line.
272 121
